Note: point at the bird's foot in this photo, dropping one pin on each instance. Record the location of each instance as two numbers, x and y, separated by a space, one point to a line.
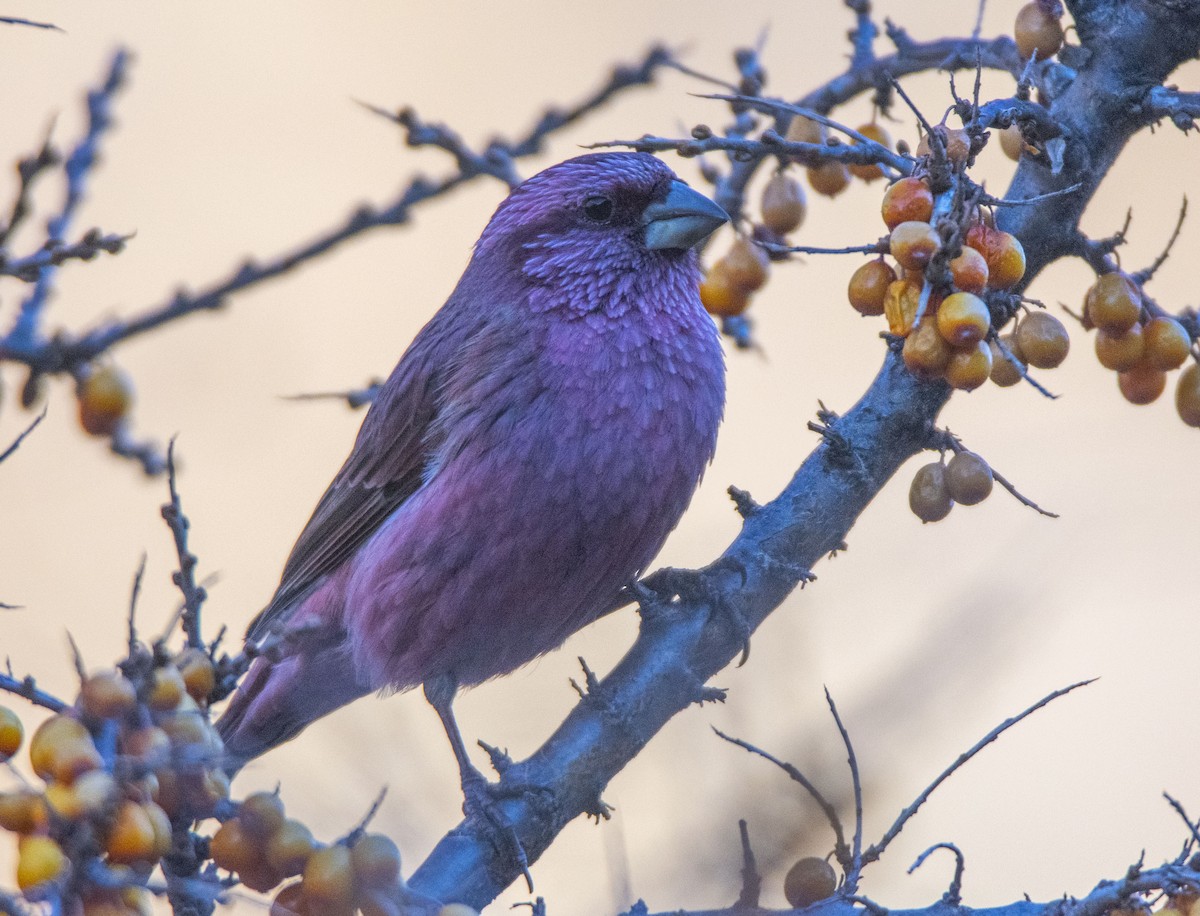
699 588
481 802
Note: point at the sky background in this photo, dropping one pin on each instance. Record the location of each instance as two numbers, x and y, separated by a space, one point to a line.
239 135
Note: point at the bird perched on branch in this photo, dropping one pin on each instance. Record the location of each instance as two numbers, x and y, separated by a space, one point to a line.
526 459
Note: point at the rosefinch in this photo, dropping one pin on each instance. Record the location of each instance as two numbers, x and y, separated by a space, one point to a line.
526 459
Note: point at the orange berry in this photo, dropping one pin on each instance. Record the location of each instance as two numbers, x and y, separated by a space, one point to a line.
261 814
957 143
39 860
963 319
1113 303
91 793
329 879
289 901
1042 340
805 130
969 271
62 749
783 204
166 689
747 264
376 861
1187 395
1120 351
970 368
809 880
1037 31
925 351
1167 343
868 286
199 675
900 305
290 847
233 848
1006 372
913 244
829 178
12 733
202 793
719 295
1012 142
23 812
968 478
107 695
1142 384
908 200
131 837
105 397
874 132
259 877
930 501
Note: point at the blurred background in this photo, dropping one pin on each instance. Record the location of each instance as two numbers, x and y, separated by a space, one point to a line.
239 135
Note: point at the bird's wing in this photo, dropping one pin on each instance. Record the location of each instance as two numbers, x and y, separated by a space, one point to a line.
386 467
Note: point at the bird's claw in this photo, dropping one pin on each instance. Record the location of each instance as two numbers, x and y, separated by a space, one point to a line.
480 802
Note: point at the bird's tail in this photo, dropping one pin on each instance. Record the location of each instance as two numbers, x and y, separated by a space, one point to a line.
277 700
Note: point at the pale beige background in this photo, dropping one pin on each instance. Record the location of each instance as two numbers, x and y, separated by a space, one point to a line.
238 136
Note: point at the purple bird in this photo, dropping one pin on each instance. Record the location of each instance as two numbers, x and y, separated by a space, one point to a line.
526 459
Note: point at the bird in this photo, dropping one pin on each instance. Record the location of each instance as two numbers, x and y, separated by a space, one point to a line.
522 464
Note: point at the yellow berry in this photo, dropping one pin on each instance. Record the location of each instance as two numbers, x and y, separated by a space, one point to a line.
879 135
809 880
107 695
968 369
233 848
105 397
805 130
12 733
913 244
131 837
930 501
1141 384
39 859
830 178
969 271
329 879
868 287
720 295
747 264
956 142
1006 368
1042 340
1012 142
62 749
963 319
23 812
1167 343
376 861
166 689
290 847
1037 31
968 478
925 351
1120 350
900 305
199 675
1113 303
783 204
1187 395
149 746
261 814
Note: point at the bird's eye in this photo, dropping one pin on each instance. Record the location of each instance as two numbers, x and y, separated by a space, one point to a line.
598 209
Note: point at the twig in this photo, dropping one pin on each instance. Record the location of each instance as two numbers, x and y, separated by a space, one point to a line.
16 443
880 247
133 600
843 851
28 170
953 895
15 20
1143 276
990 201
26 687
1023 500
185 577
1183 108
355 397
55 253
876 850
751 879
77 168
1191 825
856 859
361 827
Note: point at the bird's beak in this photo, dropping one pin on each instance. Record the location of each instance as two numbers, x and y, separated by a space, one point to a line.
682 219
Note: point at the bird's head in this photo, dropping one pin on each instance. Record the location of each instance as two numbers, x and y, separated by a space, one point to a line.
592 226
